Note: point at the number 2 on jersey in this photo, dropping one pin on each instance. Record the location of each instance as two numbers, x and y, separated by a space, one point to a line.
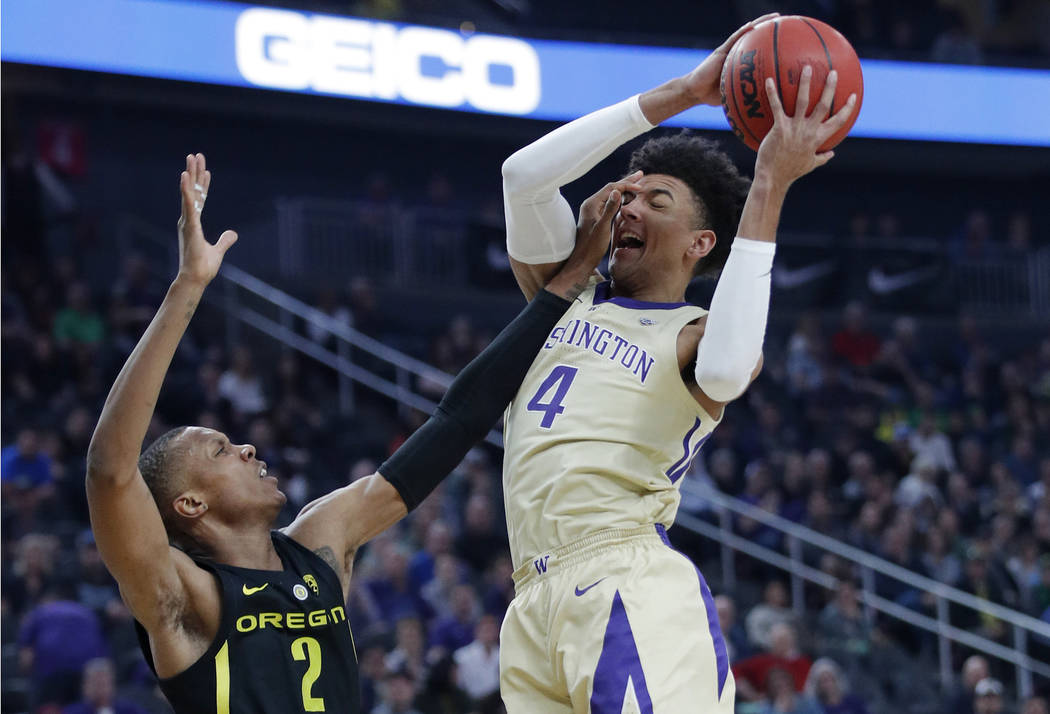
309 649
560 379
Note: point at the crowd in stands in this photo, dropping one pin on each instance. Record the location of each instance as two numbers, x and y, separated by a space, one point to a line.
929 454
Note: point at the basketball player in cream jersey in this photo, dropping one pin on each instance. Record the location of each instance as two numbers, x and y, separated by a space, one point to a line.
607 618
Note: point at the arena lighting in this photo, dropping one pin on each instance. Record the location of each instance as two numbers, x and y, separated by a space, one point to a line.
240 45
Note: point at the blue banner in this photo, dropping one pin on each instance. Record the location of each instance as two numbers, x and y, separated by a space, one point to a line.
241 45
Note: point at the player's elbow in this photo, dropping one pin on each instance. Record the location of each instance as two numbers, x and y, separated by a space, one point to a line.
519 179
723 383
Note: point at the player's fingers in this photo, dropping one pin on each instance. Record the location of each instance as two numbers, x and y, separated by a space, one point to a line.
802 101
227 239
838 120
827 96
612 203
205 183
774 100
824 157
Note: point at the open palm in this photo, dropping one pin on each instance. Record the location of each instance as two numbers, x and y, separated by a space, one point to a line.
703 82
199 260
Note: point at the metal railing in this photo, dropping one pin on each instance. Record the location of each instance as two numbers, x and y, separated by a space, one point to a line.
1024 627
236 281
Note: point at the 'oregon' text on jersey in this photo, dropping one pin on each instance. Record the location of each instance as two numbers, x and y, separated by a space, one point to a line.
283 645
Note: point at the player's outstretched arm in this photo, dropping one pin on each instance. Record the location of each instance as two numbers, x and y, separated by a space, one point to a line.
732 343
540 226
346 518
125 519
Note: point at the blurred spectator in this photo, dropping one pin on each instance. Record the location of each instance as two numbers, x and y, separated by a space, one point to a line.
241 386
456 629
843 630
409 653
437 593
782 696
773 610
752 674
79 323
391 591
329 305
438 541
499 587
854 342
828 686
1035 705
58 637
961 701
33 572
397 693
477 664
735 636
482 540
98 694
26 475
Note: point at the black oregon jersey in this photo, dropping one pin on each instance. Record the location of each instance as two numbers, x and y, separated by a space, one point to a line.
283 645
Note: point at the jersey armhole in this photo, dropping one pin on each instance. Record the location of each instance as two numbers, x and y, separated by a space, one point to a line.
221 634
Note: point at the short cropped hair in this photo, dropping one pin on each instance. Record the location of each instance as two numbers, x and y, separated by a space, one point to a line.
159 468
717 185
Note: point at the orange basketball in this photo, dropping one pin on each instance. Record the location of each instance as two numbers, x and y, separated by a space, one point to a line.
780 48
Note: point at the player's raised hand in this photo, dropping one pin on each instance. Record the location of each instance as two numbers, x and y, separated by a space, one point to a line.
791 148
199 260
594 227
703 82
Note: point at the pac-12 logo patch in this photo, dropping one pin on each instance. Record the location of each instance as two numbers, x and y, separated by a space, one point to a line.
646 321
299 590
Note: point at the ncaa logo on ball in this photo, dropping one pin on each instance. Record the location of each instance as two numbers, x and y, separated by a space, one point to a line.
299 590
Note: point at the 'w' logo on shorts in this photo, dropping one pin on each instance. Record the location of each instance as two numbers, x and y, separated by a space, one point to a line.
541 564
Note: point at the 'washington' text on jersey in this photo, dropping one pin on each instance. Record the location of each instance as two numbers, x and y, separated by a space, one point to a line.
603 341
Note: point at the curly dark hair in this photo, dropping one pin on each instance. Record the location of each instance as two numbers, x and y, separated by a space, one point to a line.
159 470
718 187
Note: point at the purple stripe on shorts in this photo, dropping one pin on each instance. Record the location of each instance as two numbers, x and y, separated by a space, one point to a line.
618 662
721 653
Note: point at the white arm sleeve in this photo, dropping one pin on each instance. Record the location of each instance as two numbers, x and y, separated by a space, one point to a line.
736 324
541 226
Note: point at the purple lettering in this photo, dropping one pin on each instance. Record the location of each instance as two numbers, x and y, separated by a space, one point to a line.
620 342
602 342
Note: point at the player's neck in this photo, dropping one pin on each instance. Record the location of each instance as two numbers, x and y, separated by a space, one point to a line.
647 293
246 547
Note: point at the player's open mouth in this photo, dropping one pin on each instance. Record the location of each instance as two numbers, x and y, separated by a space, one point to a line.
627 241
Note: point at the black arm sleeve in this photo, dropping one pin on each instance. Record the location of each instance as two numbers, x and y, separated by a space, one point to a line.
473 403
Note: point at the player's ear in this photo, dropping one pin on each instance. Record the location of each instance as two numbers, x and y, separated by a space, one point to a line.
189 505
702 242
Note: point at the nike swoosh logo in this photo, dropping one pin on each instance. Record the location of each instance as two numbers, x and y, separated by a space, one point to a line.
881 284
581 592
251 591
788 278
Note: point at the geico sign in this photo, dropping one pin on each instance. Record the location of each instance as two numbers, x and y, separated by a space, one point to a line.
289 50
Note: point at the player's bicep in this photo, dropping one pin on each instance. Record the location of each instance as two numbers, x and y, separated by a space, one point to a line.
348 517
134 546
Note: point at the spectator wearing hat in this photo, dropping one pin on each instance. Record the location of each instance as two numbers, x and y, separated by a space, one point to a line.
397 693
988 697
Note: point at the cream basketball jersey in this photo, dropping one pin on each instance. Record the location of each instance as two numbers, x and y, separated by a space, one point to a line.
603 427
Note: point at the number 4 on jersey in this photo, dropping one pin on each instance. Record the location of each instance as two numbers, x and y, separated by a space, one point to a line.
560 379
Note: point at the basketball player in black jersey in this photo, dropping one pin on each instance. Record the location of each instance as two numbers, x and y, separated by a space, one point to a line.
234 616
